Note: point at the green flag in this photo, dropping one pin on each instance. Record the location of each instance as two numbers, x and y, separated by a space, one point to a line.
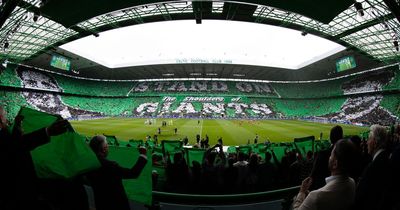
111 140
135 143
171 146
194 154
34 120
303 145
232 150
65 156
279 151
260 150
245 149
139 189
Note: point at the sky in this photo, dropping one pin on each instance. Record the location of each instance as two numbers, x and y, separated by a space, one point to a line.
213 41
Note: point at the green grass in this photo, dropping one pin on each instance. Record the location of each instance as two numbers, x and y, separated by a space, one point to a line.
234 132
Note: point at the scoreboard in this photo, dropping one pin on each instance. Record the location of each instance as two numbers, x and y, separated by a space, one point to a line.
345 63
60 62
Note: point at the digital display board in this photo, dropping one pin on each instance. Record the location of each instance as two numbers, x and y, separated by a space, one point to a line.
60 62
345 63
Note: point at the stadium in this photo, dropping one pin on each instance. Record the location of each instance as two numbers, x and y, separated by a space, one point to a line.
265 82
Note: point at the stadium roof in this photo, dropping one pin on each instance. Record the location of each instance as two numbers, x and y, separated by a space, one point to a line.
34 28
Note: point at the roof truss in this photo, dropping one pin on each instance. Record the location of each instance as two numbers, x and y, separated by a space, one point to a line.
23 37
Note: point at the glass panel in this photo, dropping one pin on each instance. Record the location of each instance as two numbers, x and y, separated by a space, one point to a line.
20 30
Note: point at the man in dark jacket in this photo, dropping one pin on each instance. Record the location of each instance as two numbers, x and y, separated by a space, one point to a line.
106 181
18 180
372 190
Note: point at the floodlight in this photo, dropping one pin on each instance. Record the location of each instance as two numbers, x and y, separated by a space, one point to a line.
35 16
42 3
198 20
359 8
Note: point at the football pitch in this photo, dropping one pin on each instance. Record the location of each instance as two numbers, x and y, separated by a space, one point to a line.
233 132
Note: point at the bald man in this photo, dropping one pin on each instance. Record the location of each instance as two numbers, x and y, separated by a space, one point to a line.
109 193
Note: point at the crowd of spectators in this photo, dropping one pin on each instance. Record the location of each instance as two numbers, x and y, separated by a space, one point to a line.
361 109
363 83
363 174
12 102
378 116
177 86
370 82
356 109
49 102
146 109
373 81
391 103
206 109
93 87
394 84
8 77
233 172
364 109
21 188
240 172
52 103
205 87
185 108
37 80
104 105
360 173
310 89
305 107
220 173
218 108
